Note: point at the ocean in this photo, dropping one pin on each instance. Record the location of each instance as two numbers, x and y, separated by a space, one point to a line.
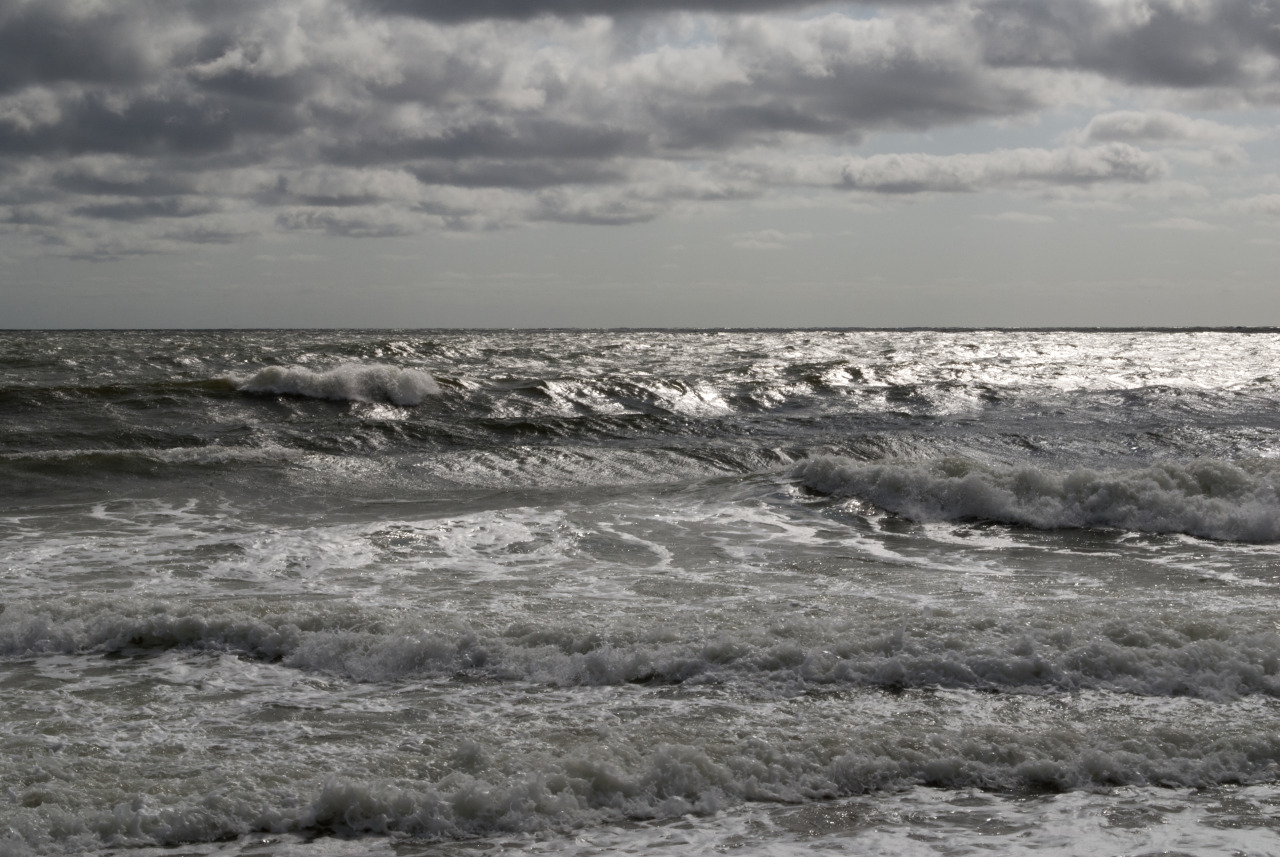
752 592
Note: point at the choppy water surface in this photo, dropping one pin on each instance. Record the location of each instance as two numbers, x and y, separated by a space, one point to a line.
767 592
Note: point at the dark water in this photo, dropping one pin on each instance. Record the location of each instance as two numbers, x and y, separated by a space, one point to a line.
766 591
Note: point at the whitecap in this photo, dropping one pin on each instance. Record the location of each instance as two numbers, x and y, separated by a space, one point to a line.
353 382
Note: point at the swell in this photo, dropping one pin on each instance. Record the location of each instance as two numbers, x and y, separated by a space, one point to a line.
84 463
43 394
395 408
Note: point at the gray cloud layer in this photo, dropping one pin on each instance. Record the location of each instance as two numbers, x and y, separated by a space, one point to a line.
1177 44
468 10
142 125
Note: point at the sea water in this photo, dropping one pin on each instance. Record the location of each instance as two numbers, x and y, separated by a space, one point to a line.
610 592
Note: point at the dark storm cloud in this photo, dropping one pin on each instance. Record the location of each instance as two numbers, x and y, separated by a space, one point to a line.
145 209
465 10
95 183
55 41
330 201
27 216
206 235
285 89
282 193
353 225
845 99
1158 43
385 117
524 137
147 126
523 174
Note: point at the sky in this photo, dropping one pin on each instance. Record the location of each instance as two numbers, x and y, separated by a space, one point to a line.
673 163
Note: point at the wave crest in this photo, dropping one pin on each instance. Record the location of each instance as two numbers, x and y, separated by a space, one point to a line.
352 382
1211 499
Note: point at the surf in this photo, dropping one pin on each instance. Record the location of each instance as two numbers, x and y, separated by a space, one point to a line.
352 382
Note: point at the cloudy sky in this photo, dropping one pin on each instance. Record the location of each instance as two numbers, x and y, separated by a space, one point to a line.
422 163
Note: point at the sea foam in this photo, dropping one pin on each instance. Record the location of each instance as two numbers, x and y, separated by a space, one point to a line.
1211 499
353 382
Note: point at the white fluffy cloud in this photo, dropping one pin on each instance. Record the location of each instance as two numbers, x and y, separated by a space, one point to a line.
1164 127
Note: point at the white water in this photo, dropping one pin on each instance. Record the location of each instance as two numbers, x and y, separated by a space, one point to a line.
348 382
762 593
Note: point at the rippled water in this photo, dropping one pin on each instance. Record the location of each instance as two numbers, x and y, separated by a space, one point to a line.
476 592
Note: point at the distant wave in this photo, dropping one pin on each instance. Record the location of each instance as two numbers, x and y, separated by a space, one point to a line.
351 382
1212 499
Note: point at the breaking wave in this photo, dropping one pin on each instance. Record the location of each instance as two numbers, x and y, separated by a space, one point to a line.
479 784
671 780
1211 499
352 382
1148 656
